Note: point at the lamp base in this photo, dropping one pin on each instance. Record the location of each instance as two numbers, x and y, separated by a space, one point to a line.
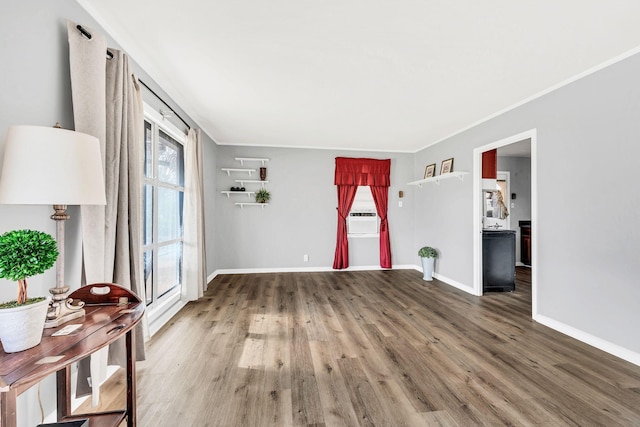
62 309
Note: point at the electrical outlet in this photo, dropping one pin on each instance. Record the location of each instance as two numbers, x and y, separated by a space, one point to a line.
306 258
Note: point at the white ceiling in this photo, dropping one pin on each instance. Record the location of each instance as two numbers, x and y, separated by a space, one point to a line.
517 149
361 74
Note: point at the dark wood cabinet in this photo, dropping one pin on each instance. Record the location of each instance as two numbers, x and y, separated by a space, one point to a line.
111 312
525 242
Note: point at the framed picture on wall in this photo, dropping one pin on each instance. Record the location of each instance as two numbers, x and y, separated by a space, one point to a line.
447 166
430 171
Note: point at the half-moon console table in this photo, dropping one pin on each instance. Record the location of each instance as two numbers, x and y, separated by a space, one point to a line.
111 312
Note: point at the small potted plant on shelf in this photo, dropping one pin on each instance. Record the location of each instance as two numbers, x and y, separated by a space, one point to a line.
24 253
263 196
427 255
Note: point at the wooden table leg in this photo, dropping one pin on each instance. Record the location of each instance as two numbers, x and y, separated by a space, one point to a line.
131 377
8 408
63 391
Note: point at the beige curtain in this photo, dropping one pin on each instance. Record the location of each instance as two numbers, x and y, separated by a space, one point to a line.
107 104
123 174
195 275
87 60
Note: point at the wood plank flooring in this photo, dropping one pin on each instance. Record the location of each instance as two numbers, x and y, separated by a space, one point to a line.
372 348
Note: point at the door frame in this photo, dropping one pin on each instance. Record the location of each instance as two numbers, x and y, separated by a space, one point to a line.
478 213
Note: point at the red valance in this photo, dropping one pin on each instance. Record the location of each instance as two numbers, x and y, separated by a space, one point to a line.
362 171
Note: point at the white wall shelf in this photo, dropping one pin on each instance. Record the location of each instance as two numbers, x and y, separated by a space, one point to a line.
229 170
251 159
229 193
251 181
242 205
460 175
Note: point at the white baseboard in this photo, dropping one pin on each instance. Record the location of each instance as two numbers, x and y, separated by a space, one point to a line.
161 320
210 278
302 270
454 283
520 264
271 270
448 281
616 350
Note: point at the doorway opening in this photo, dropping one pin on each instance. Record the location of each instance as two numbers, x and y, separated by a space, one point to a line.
478 209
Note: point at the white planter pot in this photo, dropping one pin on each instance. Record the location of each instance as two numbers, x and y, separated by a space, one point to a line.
21 327
427 268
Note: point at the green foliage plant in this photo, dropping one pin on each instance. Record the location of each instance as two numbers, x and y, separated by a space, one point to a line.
263 196
427 252
25 253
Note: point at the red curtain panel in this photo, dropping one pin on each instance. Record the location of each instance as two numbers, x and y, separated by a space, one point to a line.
381 197
346 194
349 174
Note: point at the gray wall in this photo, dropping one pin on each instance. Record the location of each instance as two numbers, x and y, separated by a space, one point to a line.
36 90
301 216
520 176
210 172
588 202
444 212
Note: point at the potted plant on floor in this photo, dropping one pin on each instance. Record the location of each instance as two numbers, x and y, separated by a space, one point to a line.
24 253
427 255
263 196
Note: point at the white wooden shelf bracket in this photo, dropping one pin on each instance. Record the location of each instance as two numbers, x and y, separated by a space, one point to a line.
229 170
251 159
229 193
251 181
242 204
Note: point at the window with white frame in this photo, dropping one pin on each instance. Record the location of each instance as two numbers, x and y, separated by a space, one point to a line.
163 199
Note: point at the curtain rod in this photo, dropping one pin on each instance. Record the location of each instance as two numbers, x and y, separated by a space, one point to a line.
88 35
164 102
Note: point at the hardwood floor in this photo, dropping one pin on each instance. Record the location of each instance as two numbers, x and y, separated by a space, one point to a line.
373 348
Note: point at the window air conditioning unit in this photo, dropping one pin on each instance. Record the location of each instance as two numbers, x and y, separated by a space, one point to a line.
362 223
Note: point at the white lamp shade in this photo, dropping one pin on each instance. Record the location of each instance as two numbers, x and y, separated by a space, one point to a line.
51 166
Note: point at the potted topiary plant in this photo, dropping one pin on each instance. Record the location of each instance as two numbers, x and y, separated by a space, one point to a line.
263 196
24 253
427 255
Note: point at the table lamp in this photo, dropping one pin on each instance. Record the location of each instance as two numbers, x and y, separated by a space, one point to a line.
59 167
